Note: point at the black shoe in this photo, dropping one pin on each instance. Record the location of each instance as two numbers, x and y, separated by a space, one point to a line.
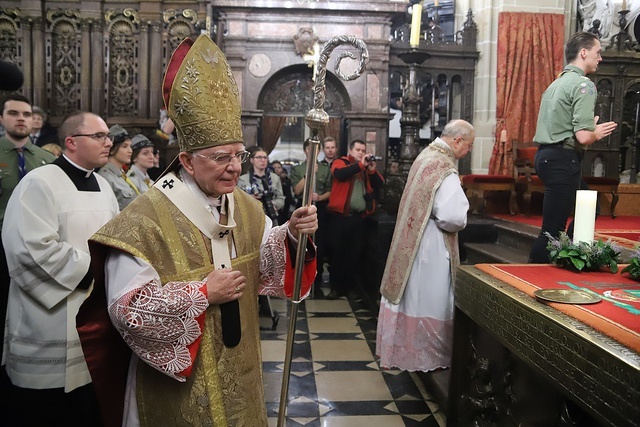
317 292
333 295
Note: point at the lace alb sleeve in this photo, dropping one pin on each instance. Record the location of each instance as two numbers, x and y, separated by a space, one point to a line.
273 262
157 322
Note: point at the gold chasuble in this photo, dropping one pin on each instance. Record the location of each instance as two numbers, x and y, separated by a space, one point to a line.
225 386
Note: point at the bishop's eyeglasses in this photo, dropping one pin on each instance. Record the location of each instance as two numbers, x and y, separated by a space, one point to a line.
225 159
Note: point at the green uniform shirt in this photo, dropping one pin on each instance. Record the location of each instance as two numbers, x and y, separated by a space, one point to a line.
34 156
323 176
357 202
567 106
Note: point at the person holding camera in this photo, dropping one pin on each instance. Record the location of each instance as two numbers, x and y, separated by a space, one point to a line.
356 183
263 185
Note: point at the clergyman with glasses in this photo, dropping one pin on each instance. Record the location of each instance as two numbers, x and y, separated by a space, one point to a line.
49 217
182 267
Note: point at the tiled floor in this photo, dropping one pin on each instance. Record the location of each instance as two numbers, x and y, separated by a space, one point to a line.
335 379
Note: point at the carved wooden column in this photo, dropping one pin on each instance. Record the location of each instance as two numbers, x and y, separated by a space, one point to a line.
143 73
97 69
39 60
27 63
155 79
85 63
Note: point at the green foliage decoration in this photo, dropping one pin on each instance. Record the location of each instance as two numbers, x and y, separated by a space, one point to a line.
583 256
633 269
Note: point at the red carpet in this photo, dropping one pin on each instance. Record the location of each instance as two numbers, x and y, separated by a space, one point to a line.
624 230
617 315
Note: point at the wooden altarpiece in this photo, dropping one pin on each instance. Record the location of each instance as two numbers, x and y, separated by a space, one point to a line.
618 83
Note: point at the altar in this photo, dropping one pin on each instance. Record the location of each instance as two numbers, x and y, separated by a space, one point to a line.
521 362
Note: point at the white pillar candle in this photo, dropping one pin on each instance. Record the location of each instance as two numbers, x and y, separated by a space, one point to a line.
416 22
585 217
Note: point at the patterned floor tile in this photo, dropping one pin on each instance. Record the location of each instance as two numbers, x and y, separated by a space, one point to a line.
335 378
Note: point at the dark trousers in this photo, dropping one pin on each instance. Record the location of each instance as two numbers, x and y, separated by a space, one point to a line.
4 284
52 408
322 240
560 171
5 384
347 247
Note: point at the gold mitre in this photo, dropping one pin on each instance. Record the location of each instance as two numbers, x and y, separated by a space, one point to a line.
201 96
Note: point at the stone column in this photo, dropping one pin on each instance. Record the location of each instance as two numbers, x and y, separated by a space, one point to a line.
27 63
156 71
38 65
97 70
251 122
143 73
85 64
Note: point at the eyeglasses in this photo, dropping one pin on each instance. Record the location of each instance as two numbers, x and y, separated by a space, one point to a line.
98 136
225 159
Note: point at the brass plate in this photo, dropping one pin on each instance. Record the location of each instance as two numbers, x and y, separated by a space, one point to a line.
566 296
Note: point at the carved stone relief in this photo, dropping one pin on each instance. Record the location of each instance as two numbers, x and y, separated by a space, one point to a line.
123 43
292 93
64 35
9 34
179 24
304 41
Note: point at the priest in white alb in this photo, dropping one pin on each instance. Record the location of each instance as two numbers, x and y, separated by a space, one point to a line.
415 325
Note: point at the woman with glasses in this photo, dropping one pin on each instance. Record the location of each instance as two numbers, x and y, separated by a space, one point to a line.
113 171
263 184
142 159
289 198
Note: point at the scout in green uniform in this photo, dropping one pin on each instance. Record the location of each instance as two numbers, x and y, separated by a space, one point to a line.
17 120
566 127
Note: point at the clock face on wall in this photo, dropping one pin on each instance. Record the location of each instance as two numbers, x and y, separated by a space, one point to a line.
260 65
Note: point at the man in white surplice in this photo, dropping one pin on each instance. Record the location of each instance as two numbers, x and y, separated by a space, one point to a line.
49 218
415 324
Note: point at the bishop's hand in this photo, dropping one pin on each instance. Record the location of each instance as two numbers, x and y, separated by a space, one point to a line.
303 220
225 285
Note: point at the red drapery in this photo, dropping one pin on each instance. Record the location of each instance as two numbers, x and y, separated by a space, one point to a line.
331 129
530 55
271 129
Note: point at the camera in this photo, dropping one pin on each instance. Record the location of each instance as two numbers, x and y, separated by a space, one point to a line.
266 199
371 158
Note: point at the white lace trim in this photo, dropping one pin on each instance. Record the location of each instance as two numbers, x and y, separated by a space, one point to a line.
159 322
413 343
273 263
